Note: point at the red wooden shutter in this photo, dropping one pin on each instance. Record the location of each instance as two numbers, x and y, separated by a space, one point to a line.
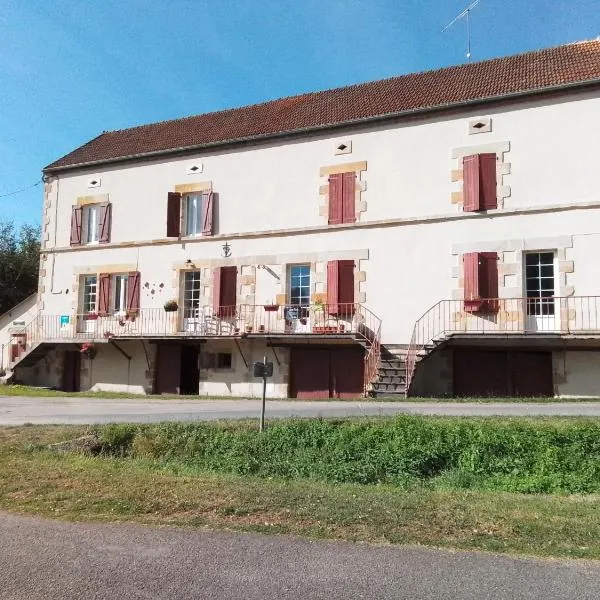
348 197
76 220
333 288
336 210
471 183
104 294
487 181
224 291
105 223
488 278
217 291
207 213
472 297
345 287
133 292
173 214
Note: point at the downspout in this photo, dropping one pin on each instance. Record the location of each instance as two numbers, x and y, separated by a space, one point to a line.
55 225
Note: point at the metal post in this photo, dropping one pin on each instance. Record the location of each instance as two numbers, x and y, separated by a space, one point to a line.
264 395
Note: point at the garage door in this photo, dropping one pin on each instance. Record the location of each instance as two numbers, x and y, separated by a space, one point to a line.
489 373
326 373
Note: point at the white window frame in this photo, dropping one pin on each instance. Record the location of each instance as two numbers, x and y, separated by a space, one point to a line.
119 292
304 298
192 223
91 224
89 294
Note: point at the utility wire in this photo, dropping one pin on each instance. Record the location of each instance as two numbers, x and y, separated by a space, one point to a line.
30 187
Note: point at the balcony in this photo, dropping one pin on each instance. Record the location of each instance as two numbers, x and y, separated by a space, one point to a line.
339 321
548 322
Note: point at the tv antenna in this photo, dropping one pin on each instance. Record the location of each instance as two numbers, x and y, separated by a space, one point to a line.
465 13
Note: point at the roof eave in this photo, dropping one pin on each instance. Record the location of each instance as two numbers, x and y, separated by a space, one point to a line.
327 126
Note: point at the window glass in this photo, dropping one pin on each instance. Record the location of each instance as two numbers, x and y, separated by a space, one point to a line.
120 293
193 213
539 283
91 222
299 285
224 360
191 293
89 293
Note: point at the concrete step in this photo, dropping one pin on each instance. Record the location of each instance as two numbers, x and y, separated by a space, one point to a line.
388 394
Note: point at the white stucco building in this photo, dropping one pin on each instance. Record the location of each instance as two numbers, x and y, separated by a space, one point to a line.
441 228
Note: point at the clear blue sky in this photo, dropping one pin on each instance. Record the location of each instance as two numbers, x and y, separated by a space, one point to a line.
70 69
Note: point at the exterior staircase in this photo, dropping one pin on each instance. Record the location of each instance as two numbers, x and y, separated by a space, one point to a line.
390 381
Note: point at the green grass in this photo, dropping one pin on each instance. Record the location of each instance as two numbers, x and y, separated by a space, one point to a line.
25 390
75 487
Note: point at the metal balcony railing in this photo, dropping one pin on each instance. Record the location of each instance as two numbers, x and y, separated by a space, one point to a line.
516 316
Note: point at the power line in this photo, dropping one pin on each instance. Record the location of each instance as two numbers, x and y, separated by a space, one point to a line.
29 187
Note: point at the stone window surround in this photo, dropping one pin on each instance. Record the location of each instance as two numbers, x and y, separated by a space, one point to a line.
188 188
359 168
502 169
510 267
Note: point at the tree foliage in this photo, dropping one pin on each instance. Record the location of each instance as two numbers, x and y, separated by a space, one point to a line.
19 263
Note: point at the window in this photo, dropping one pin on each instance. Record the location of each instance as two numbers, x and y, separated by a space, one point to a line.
539 283
479 182
91 222
342 198
191 293
217 360
224 360
90 289
120 293
193 207
299 285
481 282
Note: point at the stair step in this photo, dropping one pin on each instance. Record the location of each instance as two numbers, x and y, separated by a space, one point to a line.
388 394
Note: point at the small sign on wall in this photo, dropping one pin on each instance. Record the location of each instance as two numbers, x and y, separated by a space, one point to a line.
64 320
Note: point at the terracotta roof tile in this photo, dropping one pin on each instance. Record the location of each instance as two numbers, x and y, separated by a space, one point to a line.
532 72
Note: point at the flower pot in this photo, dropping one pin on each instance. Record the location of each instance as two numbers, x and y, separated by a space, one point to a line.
271 307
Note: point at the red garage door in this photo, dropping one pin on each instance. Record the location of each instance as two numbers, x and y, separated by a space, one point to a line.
326 373
491 373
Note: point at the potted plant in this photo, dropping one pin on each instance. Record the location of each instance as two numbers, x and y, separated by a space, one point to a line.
171 306
108 334
272 307
88 349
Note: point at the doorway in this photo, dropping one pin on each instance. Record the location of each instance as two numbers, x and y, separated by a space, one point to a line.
71 371
540 291
190 371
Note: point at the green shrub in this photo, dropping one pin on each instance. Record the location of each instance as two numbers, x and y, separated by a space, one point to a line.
511 455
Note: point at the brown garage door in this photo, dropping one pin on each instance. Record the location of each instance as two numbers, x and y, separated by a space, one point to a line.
326 373
490 373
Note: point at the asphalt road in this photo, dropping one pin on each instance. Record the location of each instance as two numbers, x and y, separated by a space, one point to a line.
77 410
52 560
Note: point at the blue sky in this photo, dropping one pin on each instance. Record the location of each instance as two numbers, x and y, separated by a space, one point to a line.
70 69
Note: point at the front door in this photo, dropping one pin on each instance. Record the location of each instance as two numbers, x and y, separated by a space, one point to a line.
190 372
71 371
540 291
168 369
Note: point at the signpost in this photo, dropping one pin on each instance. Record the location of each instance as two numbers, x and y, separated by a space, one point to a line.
263 369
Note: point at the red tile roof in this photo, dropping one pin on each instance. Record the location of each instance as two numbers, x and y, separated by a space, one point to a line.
530 73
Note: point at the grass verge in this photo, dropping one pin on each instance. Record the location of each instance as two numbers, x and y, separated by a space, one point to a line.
76 487
40 392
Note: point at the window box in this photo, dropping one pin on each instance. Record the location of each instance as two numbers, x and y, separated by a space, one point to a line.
271 307
90 316
325 330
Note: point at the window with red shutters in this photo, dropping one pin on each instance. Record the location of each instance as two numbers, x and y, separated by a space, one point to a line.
224 291
173 214
479 182
340 287
480 282
342 203
133 293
